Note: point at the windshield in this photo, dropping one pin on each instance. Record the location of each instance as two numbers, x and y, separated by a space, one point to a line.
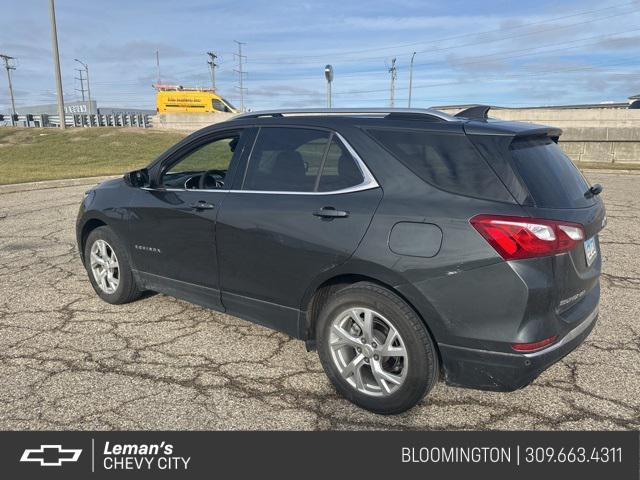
551 177
229 104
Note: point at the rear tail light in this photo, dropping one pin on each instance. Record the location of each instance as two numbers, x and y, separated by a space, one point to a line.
516 238
532 347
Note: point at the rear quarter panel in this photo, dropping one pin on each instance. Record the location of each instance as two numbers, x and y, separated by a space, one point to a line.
450 290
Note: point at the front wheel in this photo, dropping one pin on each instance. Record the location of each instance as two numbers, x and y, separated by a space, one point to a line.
375 350
108 266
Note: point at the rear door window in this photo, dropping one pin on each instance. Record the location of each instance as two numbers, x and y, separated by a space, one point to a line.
550 176
300 160
447 161
286 160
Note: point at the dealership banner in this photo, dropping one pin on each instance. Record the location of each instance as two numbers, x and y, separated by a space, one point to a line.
402 455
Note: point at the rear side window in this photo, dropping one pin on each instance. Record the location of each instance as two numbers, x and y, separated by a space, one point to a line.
448 161
551 177
300 160
339 170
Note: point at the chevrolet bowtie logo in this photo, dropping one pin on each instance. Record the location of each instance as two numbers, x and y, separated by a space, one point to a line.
50 455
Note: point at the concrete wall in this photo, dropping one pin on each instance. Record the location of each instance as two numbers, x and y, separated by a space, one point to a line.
188 122
590 135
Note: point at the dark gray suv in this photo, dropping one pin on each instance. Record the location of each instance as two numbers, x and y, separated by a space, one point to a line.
404 245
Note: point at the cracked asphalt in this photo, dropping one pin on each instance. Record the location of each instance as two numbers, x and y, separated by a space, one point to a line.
70 361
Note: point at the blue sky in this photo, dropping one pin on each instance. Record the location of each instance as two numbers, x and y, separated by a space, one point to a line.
498 52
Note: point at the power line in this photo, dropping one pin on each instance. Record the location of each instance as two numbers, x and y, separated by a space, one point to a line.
473 43
484 79
480 80
497 55
500 77
499 39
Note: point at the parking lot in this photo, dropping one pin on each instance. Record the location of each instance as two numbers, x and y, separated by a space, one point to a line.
71 361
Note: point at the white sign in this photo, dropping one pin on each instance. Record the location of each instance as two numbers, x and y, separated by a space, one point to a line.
75 108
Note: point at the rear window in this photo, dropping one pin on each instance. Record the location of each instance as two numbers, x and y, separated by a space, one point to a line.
550 176
447 161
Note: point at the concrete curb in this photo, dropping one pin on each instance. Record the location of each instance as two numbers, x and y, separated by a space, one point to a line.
609 171
47 184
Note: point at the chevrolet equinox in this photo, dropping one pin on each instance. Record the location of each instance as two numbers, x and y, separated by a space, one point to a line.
405 245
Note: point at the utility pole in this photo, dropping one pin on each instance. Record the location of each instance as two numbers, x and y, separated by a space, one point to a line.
9 67
86 71
81 78
56 63
392 87
411 78
158 65
241 73
212 66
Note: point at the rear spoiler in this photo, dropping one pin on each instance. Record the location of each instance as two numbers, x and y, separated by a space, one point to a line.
477 112
480 124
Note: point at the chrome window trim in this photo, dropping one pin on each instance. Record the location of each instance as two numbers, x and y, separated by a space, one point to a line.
369 182
149 189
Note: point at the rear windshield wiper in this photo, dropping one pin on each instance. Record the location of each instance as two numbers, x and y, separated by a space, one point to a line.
594 190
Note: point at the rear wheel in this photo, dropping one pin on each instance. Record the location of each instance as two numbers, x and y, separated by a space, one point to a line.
108 266
375 349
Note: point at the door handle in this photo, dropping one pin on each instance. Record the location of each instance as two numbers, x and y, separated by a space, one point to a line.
330 212
202 205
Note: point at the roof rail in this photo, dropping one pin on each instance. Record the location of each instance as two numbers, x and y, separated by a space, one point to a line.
477 112
427 113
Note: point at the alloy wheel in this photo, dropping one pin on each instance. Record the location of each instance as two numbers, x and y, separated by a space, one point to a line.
368 351
104 266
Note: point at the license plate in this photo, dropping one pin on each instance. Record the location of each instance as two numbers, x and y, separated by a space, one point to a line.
590 251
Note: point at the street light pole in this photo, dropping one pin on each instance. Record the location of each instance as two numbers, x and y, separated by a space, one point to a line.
328 74
56 63
86 70
411 78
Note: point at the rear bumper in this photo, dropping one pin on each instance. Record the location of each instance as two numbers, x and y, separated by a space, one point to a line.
498 371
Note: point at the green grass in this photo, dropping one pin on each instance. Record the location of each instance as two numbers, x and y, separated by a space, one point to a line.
33 154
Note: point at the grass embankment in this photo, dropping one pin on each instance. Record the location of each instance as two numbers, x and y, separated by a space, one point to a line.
33 154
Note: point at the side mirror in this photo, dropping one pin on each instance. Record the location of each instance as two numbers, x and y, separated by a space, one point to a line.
137 178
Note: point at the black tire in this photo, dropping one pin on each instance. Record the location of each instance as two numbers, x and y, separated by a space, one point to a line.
422 358
127 289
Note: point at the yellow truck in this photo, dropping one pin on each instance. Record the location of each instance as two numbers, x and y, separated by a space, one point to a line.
176 98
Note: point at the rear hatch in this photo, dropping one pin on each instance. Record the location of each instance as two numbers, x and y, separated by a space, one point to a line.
558 191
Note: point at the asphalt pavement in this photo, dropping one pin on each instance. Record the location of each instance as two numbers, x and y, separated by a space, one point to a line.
70 361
